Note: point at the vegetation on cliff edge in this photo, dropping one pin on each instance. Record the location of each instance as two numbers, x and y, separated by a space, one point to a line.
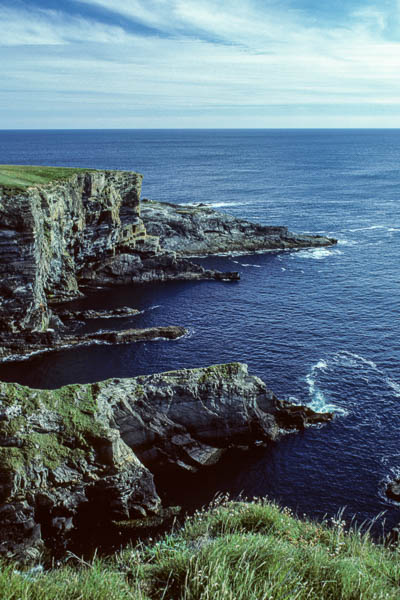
233 551
20 177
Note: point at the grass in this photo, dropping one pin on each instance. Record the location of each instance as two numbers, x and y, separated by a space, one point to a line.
233 551
21 176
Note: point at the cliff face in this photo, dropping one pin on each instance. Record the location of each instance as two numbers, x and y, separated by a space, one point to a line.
61 238
49 234
85 452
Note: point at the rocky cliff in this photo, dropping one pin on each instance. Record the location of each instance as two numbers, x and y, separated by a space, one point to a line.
199 230
67 236
86 452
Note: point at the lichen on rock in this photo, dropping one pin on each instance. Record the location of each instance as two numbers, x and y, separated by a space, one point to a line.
69 236
92 448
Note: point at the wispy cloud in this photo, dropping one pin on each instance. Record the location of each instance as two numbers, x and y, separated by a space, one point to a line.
43 27
204 62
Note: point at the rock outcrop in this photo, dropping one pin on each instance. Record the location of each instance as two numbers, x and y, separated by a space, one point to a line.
199 230
86 452
63 238
53 340
393 490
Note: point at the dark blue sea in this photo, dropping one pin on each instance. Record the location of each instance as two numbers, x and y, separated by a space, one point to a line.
319 326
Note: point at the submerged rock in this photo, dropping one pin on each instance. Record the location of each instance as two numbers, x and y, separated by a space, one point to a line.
393 490
191 230
85 453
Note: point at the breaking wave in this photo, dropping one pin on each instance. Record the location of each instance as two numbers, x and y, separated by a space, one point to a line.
337 383
316 253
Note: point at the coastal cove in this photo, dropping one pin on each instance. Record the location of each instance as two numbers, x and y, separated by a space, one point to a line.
317 325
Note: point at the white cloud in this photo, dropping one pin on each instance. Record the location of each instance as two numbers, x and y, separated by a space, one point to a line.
49 28
267 59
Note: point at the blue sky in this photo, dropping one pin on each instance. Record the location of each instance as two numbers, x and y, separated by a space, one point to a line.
199 63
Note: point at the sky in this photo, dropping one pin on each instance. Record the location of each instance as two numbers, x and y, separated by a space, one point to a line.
99 64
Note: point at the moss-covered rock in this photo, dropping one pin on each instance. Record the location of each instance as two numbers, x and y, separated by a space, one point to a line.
58 455
82 453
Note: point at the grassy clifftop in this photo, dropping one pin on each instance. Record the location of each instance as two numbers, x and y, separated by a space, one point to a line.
234 551
20 177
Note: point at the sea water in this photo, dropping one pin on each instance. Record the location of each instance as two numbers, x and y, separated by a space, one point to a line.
319 326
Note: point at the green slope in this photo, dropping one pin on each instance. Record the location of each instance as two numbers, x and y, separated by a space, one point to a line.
22 176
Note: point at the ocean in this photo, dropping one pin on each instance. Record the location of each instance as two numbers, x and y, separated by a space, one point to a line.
319 326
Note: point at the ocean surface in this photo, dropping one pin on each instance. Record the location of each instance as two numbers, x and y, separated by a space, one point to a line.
319 326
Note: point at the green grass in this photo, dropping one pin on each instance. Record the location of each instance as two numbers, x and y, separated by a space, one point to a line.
21 176
233 551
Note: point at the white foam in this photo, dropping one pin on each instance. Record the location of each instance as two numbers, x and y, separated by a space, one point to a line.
319 402
316 253
394 386
249 265
321 364
368 228
347 243
222 204
352 359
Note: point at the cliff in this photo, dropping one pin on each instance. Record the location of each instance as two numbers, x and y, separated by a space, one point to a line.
85 453
68 235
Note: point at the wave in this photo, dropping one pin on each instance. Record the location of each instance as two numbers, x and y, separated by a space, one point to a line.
320 400
367 228
221 204
316 253
249 265
333 377
347 243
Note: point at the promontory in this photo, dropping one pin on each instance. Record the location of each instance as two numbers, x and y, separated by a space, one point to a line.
65 232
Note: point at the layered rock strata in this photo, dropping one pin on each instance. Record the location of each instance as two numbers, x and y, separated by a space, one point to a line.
63 238
193 230
86 452
50 341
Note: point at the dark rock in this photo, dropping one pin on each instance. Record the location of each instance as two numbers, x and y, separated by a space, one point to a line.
292 416
88 450
124 311
201 230
227 276
137 335
45 342
65 238
393 490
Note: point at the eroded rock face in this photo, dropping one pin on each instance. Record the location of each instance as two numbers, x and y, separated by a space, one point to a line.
69 236
59 455
50 233
90 449
192 230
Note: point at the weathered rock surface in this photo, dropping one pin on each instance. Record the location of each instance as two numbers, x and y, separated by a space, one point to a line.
41 342
111 313
63 238
85 452
191 230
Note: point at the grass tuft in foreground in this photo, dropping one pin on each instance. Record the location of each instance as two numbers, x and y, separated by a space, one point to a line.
19 177
233 551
